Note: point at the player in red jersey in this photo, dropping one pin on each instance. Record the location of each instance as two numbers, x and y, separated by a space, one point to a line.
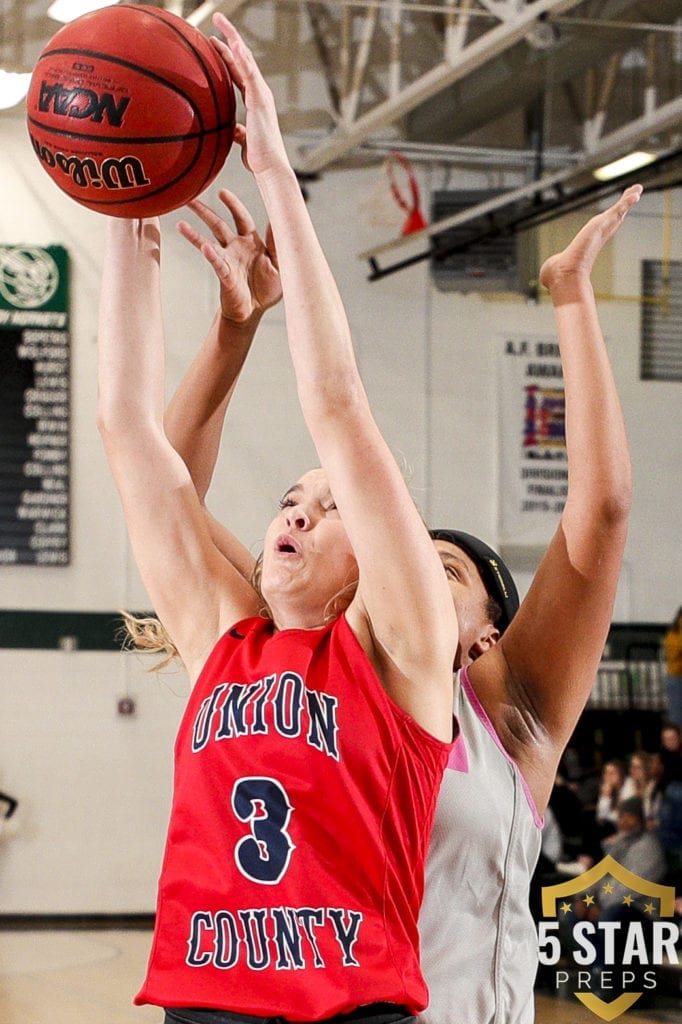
314 741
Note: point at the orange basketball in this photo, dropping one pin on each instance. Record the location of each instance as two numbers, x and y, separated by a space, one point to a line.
131 111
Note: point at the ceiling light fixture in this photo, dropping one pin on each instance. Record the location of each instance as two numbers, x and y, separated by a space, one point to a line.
68 10
624 165
13 88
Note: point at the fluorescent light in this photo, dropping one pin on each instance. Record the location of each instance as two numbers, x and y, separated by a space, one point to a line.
626 163
13 88
67 10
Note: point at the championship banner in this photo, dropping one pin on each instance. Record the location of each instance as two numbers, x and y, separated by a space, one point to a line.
533 467
605 934
34 406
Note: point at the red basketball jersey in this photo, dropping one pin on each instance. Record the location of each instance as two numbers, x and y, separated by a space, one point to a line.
302 809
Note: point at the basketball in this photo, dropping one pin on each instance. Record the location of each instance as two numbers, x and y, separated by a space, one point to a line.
131 111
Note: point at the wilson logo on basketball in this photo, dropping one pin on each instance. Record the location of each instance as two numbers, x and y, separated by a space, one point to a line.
84 104
86 172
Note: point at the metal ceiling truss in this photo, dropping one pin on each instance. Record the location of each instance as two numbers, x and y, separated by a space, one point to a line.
474 32
383 59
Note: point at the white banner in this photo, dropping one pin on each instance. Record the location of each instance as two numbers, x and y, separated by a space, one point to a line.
533 469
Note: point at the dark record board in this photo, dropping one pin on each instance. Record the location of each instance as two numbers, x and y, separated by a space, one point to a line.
34 406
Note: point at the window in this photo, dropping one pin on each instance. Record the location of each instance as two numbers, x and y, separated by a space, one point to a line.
661 331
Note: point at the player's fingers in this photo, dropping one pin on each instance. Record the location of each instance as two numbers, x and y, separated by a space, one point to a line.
190 233
233 67
239 59
631 195
206 246
220 229
243 220
216 259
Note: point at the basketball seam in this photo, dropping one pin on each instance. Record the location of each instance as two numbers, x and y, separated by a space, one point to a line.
92 203
160 16
127 140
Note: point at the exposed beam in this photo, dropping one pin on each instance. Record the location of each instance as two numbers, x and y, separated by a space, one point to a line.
202 12
208 7
513 81
471 57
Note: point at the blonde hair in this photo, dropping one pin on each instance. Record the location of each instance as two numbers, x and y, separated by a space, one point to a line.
148 635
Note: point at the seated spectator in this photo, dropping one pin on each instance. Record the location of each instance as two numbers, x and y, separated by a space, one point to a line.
667 794
638 781
606 811
637 778
669 831
658 781
575 825
634 847
638 850
671 739
671 754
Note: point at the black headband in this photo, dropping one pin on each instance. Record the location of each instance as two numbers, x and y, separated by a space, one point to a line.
497 579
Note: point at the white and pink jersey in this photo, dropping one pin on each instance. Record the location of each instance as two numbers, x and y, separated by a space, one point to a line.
479 943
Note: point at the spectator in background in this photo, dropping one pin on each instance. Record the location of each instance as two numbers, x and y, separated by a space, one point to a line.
634 847
638 781
657 775
668 795
580 845
670 738
638 850
672 647
606 811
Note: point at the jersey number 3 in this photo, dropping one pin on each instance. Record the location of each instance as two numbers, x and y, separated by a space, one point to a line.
263 803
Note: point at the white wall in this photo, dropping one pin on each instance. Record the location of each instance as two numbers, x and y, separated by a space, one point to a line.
93 786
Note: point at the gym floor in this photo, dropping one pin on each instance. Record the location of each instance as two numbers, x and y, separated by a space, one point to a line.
90 977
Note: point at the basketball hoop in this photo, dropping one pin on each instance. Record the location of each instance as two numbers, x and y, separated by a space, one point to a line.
410 205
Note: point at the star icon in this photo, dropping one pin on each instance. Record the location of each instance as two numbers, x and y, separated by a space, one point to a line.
589 900
565 908
627 900
608 888
649 908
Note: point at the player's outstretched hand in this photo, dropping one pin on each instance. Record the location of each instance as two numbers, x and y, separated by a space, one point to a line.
245 265
262 145
574 264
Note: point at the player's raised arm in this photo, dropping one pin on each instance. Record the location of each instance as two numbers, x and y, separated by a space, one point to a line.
246 268
195 593
401 612
546 663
